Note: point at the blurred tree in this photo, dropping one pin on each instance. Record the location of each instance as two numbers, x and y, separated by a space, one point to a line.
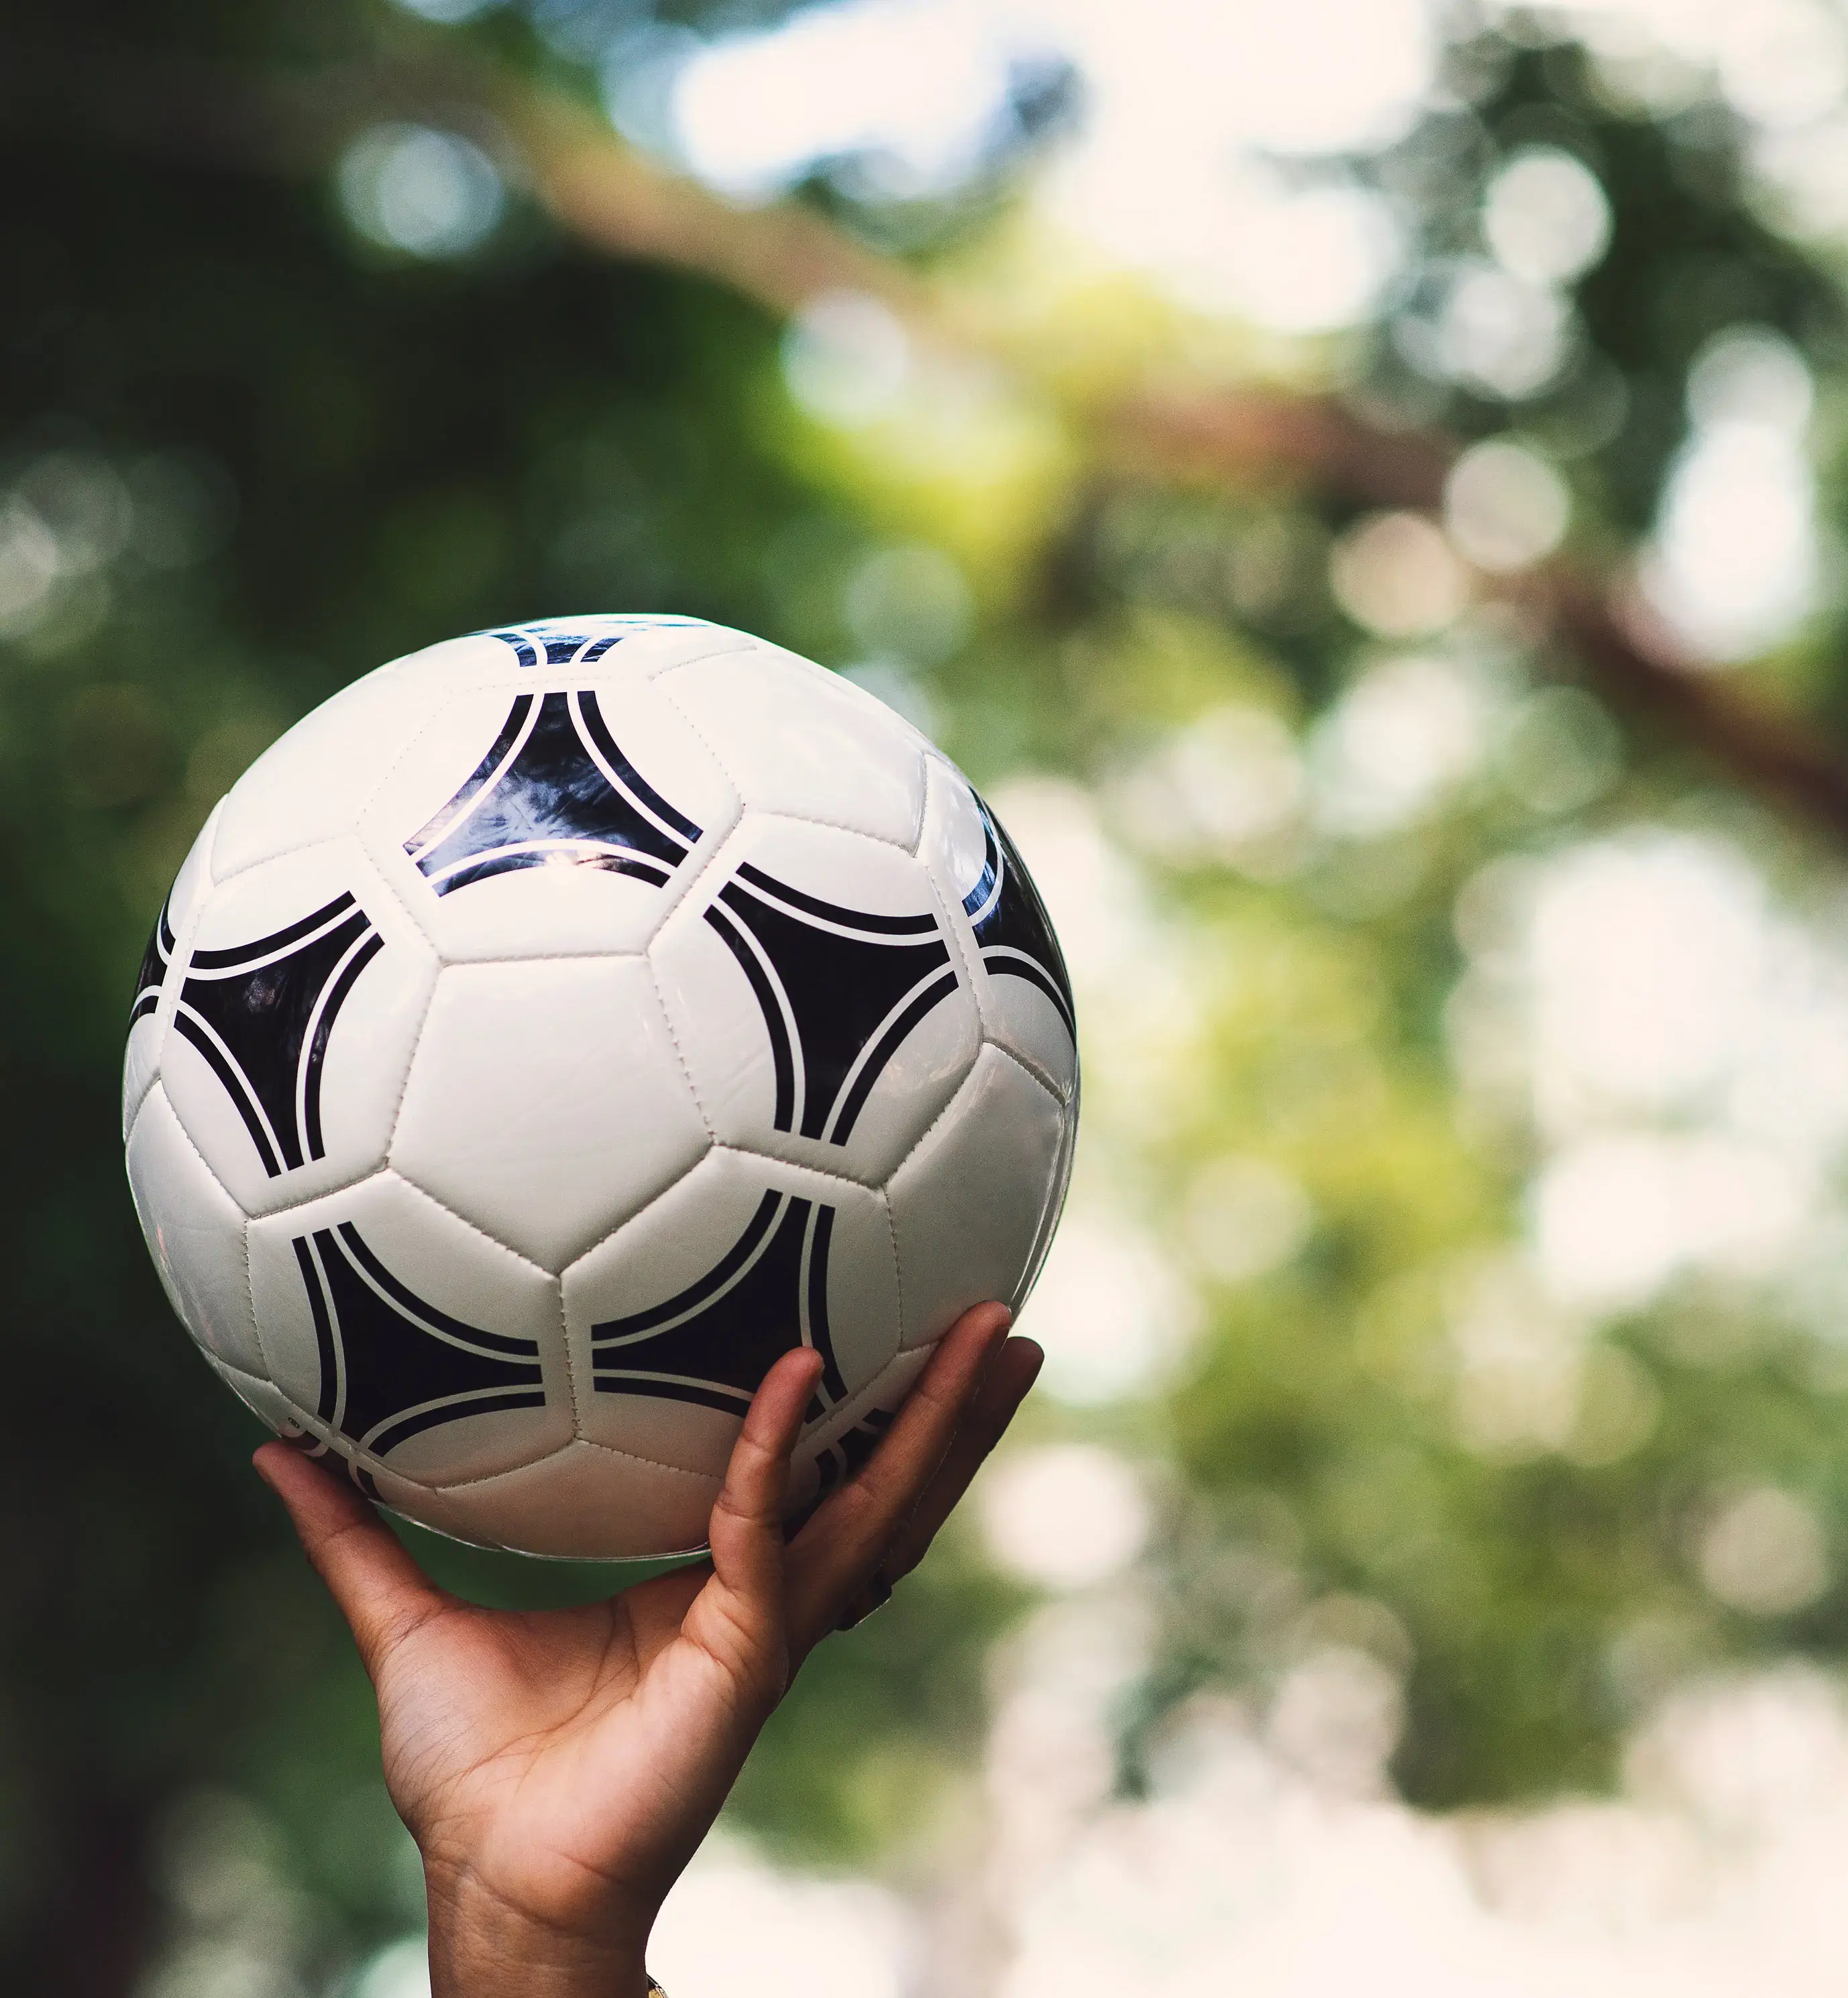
333 330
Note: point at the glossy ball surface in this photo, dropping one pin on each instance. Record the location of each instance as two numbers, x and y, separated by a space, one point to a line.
559 1024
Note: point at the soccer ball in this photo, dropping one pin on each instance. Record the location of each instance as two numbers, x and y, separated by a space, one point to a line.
559 1024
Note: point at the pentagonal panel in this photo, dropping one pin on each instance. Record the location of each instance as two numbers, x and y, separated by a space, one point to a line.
815 994
408 1338
798 739
584 1500
195 1232
312 783
1020 974
547 1103
294 1016
675 1320
831 1452
151 1008
968 1206
530 818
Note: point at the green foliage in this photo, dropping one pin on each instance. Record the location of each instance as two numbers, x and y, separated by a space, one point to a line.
283 453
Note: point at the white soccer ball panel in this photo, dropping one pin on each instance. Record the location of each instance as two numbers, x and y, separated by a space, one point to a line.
152 1006
264 1400
817 997
312 783
1019 971
453 663
679 1315
955 842
831 1451
658 1429
538 816
1019 1015
968 1205
195 1232
407 1336
800 741
547 1103
583 1501
294 1018
1055 1203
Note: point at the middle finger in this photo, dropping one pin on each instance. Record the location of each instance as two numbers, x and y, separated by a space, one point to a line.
841 1546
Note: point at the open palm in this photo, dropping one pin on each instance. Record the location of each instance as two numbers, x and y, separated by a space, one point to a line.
558 1769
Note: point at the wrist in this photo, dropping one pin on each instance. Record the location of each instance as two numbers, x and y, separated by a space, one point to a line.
482 1948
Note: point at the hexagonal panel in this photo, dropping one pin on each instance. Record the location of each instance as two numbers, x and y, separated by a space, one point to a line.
294 1016
530 818
407 1337
822 1008
152 1006
311 784
968 1206
674 1320
194 1232
1020 973
547 1103
584 1500
798 739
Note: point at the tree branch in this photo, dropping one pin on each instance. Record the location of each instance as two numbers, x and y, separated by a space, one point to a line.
606 196
1316 445
781 256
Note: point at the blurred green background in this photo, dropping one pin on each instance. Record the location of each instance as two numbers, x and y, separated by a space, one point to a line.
1364 489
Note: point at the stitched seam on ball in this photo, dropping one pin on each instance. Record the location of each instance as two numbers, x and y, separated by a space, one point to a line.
656 1463
800 818
474 1228
949 911
891 1229
933 767
845 1179
411 1062
661 668
1027 1069
140 1110
345 1183
1030 1065
577 1442
570 1369
444 700
924 1136
243 1234
691 885
351 830
680 1055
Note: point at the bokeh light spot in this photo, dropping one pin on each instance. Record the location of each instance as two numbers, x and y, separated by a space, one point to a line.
426 193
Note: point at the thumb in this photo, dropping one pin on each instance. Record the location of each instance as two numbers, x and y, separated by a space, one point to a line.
382 1593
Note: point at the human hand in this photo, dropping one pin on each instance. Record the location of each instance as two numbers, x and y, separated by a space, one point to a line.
559 1769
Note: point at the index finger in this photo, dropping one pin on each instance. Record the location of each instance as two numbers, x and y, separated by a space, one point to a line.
844 1542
